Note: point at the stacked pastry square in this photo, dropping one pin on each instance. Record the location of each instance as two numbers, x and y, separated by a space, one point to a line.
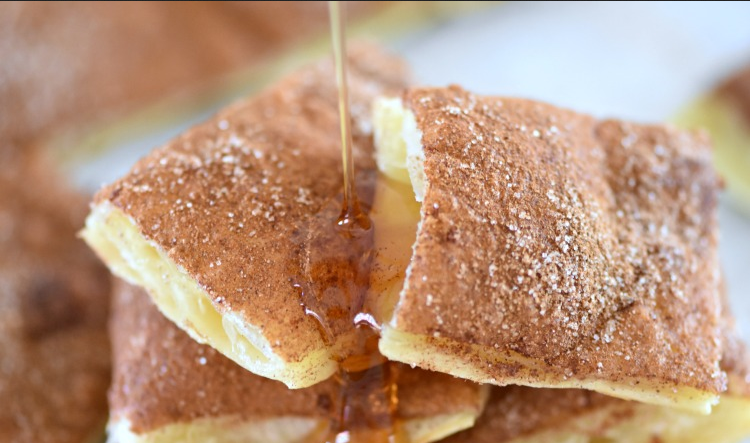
542 275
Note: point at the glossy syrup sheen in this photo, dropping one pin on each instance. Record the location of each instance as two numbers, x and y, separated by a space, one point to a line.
337 260
337 254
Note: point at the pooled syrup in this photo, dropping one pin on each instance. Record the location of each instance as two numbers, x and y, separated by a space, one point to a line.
339 252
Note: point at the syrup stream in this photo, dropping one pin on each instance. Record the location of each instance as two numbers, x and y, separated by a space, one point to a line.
339 247
351 213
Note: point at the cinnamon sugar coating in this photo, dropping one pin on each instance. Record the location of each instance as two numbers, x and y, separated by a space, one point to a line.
231 200
54 297
162 377
515 411
587 246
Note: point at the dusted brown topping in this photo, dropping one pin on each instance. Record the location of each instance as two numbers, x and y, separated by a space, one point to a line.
54 295
162 377
426 393
736 90
516 411
66 64
229 199
588 246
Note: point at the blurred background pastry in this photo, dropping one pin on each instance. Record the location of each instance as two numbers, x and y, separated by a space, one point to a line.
725 114
54 300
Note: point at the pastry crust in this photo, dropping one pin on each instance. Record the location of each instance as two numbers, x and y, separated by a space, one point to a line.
556 250
528 415
167 387
54 298
216 224
517 414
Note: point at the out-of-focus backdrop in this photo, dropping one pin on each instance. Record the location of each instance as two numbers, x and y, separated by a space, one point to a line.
100 84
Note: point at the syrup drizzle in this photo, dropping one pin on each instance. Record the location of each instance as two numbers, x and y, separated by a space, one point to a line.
351 213
337 255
